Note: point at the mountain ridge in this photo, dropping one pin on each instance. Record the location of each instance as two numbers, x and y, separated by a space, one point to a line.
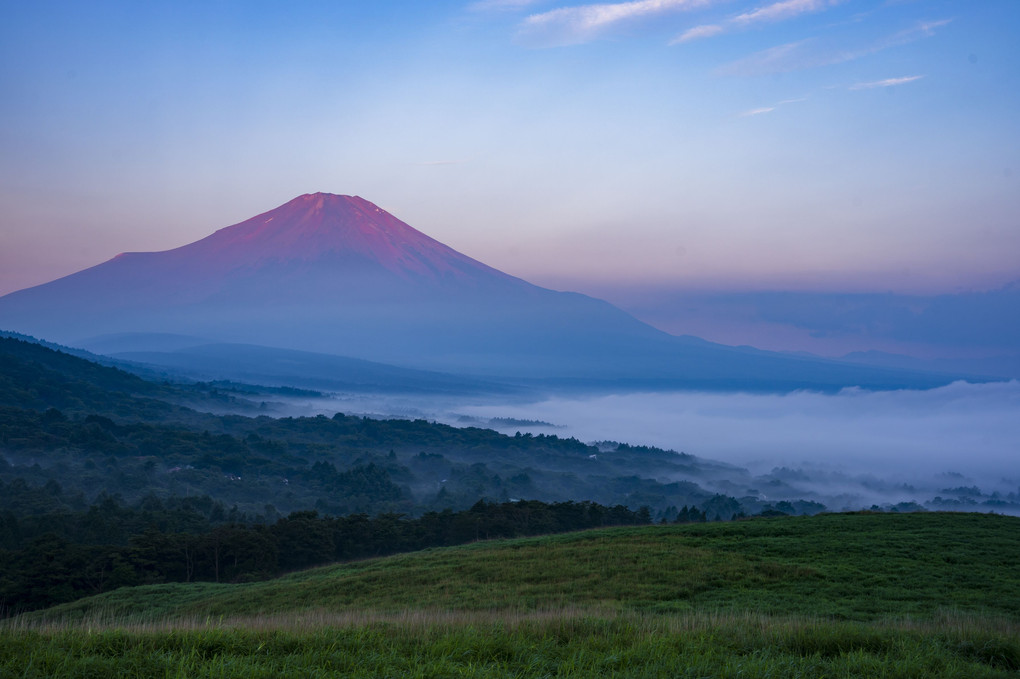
338 275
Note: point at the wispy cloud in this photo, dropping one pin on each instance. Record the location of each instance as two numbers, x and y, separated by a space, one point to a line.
787 9
575 25
703 31
501 5
777 11
769 109
757 111
888 82
812 53
772 60
439 162
922 29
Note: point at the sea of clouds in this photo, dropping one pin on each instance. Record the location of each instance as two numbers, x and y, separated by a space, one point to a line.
968 428
854 448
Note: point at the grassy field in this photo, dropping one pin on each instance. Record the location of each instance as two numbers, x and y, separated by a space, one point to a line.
883 595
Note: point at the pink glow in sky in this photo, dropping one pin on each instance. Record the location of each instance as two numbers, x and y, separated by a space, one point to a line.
861 145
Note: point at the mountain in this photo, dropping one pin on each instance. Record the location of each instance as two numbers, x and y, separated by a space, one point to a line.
338 275
998 367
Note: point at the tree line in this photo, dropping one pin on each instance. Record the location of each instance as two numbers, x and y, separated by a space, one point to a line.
59 565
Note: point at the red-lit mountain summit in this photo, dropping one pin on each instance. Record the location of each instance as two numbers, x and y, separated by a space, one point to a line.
319 227
338 275
317 243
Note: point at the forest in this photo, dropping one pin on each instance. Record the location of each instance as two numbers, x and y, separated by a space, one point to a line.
58 557
107 479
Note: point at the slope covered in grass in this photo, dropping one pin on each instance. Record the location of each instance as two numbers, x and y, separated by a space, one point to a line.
867 595
862 567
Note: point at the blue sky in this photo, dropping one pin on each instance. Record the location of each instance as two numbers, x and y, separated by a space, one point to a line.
821 145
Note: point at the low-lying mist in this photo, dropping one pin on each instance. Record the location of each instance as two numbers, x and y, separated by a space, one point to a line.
848 450
972 428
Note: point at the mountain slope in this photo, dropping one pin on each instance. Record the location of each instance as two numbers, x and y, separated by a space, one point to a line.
845 566
338 275
254 364
37 377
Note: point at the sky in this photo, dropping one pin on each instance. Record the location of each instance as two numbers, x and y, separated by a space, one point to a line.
829 146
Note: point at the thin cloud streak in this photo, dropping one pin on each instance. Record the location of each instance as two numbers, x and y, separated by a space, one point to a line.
769 109
575 25
888 82
784 10
778 11
698 32
805 54
429 163
772 60
501 5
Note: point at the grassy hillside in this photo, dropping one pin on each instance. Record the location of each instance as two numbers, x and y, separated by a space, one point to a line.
863 567
922 595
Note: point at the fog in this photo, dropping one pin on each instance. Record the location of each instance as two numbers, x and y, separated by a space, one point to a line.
962 427
848 450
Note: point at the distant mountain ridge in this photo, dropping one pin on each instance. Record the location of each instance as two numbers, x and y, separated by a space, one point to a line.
338 275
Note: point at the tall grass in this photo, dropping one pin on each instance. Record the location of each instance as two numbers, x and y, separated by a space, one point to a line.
829 596
506 644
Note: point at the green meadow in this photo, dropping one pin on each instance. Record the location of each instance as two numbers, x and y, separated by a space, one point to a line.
869 595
